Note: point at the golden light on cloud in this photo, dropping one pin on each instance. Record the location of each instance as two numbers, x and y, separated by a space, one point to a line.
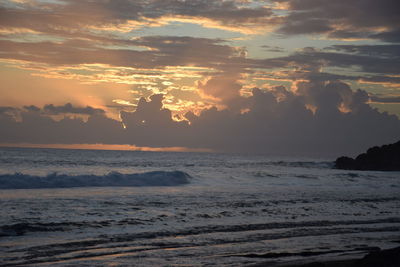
387 84
16 30
103 73
127 26
123 102
251 28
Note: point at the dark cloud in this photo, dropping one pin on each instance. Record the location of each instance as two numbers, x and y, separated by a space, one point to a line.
388 36
35 127
77 16
7 110
151 123
51 109
288 126
32 108
325 118
224 87
296 24
337 19
380 51
313 60
276 121
165 51
69 108
343 18
273 48
226 12
225 59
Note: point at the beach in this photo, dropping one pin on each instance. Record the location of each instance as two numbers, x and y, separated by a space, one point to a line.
128 208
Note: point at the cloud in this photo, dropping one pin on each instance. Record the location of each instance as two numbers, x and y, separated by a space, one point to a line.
31 111
8 113
4 110
317 118
224 87
343 19
146 60
379 59
163 51
87 17
276 49
32 108
381 51
69 108
36 127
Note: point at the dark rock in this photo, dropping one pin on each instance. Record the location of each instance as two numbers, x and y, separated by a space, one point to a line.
379 258
384 258
344 163
384 158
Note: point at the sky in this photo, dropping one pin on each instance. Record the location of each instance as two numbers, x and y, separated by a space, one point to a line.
295 77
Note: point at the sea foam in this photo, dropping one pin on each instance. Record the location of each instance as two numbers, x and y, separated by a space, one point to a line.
55 180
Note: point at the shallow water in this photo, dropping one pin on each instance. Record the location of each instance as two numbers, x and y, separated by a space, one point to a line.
229 207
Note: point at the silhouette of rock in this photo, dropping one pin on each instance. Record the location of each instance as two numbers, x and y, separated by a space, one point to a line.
384 158
378 258
383 258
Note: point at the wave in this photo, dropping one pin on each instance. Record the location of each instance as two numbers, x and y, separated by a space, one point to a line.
300 228
55 180
281 163
303 164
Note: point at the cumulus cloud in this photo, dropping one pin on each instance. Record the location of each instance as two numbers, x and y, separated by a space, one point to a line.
69 108
224 87
4 110
65 109
318 118
36 127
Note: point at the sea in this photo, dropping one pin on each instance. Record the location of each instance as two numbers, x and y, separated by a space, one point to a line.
64 207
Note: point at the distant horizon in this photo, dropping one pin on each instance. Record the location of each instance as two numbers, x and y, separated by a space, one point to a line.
131 148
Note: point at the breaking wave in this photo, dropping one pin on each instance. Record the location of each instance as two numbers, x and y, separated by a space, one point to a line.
55 180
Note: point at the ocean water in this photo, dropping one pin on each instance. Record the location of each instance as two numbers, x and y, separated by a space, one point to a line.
125 208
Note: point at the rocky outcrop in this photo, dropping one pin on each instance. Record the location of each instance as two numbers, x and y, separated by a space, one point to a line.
384 158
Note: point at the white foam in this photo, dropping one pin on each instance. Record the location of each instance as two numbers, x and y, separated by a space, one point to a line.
55 180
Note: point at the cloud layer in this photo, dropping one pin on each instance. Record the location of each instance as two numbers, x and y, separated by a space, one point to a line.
343 19
320 118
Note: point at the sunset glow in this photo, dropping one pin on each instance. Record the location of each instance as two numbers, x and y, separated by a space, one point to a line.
200 133
199 55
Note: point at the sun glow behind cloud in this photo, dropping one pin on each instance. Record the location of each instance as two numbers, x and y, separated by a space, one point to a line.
197 54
